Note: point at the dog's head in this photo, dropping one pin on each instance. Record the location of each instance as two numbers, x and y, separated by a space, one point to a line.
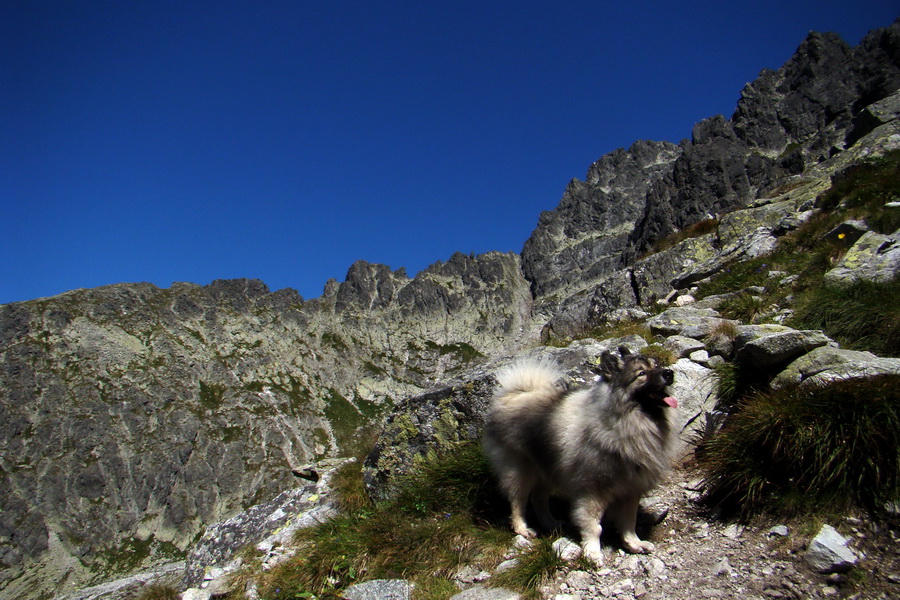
640 376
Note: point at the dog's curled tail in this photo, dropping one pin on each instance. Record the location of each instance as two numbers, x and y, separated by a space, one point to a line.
528 376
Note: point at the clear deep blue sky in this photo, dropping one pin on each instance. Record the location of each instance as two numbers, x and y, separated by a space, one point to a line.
283 140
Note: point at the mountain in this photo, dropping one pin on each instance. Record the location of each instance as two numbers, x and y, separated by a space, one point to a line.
132 417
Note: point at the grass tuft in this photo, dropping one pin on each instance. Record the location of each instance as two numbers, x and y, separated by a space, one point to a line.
533 569
863 316
805 448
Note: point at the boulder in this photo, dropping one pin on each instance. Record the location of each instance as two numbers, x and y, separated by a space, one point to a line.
277 519
682 346
827 364
780 348
874 257
695 389
828 552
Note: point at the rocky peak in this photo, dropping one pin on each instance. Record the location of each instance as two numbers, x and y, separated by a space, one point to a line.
786 122
584 235
369 286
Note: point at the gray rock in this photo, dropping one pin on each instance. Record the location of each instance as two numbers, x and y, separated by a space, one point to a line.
655 567
780 348
758 242
694 388
826 364
700 357
874 257
583 238
379 589
681 346
778 531
723 568
677 321
579 580
480 592
748 333
873 116
828 552
566 549
847 233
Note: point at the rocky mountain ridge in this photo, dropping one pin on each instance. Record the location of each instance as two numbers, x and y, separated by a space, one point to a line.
133 417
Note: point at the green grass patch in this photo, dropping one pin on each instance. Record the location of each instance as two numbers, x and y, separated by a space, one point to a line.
809 449
437 522
862 316
745 307
734 383
863 190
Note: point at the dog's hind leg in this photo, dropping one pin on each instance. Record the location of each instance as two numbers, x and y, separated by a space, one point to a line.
518 486
586 513
623 515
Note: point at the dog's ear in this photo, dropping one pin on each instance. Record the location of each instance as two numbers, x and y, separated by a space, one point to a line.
624 351
610 365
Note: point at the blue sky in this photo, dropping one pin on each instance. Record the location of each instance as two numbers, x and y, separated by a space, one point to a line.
283 140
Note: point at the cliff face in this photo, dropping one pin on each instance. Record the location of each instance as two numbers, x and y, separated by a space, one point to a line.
131 417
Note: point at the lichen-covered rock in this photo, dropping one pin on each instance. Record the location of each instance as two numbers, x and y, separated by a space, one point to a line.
684 319
874 257
828 364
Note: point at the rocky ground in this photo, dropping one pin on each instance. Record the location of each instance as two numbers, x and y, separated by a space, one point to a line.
698 556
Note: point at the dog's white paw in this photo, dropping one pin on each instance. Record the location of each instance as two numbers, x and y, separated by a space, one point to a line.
592 552
637 546
525 532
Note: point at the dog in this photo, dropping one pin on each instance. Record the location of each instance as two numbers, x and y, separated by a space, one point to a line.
602 447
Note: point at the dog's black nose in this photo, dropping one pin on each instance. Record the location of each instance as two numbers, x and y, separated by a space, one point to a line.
668 376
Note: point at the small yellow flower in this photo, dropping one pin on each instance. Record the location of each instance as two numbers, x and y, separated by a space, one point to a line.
842 236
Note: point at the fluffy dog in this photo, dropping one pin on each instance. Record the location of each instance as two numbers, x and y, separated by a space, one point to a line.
602 447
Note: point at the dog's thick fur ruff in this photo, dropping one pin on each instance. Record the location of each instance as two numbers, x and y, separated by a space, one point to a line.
602 447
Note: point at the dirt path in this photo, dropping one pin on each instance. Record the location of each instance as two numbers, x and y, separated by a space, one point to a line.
699 557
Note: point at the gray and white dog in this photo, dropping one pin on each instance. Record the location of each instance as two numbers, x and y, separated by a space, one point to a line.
602 447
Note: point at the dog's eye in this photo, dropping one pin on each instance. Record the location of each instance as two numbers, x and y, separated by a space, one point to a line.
642 373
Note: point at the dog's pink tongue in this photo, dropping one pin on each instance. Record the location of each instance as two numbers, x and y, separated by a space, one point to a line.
671 401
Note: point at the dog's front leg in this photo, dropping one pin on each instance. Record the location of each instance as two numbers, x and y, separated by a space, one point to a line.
586 513
624 515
